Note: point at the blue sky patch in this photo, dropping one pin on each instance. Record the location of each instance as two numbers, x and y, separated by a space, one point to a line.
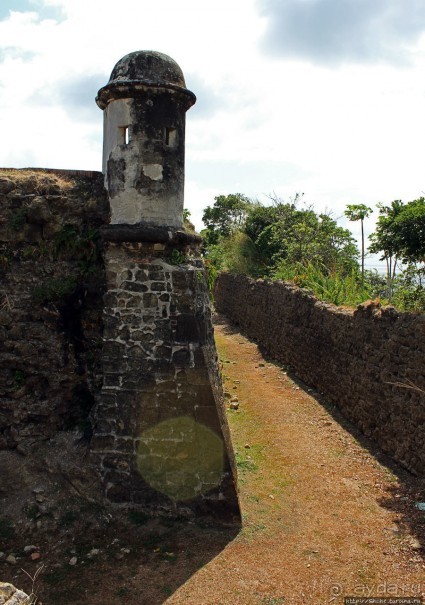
30 6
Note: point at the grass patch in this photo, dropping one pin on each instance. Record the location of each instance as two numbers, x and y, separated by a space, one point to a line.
42 182
54 290
245 464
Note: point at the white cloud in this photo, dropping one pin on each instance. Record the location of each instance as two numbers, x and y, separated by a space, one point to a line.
263 123
343 31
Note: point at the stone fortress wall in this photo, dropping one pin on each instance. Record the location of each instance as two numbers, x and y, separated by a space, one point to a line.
51 285
112 340
363 361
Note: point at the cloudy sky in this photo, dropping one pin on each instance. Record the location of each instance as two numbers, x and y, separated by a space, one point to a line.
324 97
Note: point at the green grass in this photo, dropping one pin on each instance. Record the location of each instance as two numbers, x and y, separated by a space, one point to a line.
55 290
333 287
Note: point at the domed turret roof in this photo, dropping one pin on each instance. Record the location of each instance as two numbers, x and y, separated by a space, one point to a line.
144 68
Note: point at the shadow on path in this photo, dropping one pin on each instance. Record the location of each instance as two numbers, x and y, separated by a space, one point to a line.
406 490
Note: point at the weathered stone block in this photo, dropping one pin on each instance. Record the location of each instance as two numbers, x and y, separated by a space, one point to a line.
158 286
181 357
187 328
103 443
150 300
134 286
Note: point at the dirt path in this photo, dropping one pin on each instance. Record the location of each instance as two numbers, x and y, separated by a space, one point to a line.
323 518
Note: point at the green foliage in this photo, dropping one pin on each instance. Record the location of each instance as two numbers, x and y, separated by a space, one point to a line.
235 253
302 236
69 244
55 290
227 215
409 231
83 246
187 223
400 231
400 235
383 240
376 284
177 257
261 238
211 276
409 289
357 212
290 241
330 286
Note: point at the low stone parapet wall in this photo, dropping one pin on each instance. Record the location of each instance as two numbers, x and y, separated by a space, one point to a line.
369 362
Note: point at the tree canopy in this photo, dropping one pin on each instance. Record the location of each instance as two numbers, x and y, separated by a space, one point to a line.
227 215
283 232
400 231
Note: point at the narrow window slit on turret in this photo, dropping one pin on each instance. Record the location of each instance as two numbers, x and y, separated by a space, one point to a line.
170 136
124 135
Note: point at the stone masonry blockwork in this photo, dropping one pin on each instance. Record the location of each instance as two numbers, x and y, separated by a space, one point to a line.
160 431
369 362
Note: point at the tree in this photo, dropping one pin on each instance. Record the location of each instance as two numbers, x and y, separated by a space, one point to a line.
358 212
400 235
227 215
409 231
245 236
300 236
383 240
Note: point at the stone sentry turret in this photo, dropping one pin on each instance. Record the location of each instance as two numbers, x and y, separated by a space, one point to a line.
144 106
161 437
